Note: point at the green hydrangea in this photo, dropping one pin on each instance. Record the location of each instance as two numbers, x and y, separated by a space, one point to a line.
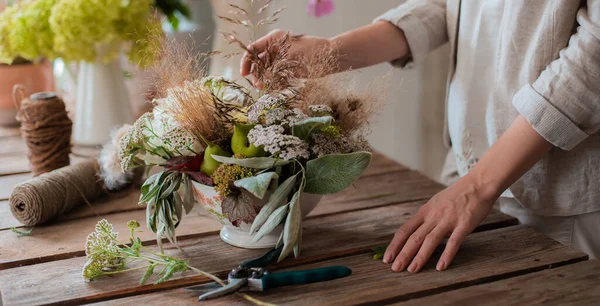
78 30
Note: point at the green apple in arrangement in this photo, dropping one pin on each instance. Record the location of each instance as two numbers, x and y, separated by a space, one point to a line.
209 164
241 145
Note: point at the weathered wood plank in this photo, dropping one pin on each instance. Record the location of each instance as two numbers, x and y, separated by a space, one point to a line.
576 284
484 256
116 203
378 190
371 191
19 164
8 183
324 237
14 145
9 131
383 164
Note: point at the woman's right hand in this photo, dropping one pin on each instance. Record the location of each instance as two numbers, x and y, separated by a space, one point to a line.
300 47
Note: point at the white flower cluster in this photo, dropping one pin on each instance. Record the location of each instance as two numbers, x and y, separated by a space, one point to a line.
102 251
278 144
262 106
320 110
325 144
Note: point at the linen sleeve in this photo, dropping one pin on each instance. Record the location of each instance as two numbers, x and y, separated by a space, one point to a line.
563 104
424 25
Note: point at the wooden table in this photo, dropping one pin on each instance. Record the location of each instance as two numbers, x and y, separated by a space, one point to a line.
501 263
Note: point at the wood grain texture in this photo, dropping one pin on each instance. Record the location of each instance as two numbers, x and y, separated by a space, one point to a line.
378 190
324 237
17 164
484 257
67 239
397 187
14 145
382 164
113 204
9 182
576 284
9 131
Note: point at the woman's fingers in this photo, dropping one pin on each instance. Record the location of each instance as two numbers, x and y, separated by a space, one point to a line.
259 46
412 245
400 238
431 242
456 239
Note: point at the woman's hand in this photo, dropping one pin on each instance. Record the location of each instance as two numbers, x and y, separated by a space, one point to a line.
362 47
300 47
456 210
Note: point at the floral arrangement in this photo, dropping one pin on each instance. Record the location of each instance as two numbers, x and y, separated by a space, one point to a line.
274 143
78 30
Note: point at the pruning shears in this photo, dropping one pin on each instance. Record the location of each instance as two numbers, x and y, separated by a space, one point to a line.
252 275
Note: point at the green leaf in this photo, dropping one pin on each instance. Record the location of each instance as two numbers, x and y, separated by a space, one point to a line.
276 199
293 224
258 184
175 180
379 251
188 196
333 173
298 245
21 233
303 129
147 274
254 162
274 220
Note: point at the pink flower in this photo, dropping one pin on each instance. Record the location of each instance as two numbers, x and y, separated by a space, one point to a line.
320 8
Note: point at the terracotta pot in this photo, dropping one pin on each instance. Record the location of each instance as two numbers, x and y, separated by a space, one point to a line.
35 78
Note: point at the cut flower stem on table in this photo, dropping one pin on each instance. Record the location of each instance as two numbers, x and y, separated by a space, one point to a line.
106 255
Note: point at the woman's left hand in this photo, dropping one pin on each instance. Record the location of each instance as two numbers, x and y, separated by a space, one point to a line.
457 211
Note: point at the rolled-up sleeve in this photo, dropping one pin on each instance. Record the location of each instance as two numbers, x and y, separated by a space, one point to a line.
424 25
563 104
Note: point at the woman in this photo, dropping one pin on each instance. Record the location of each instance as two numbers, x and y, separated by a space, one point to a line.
523 114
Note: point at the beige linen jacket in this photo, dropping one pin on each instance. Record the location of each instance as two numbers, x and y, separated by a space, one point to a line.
549 72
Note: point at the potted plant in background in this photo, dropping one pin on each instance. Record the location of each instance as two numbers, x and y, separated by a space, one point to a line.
35 75
94 34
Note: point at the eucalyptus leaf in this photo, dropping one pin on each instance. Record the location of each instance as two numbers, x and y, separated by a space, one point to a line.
175 180
293 223
254 162
188 196
333 173
149 215
274 220
303 129
298 245
258 184
178 205
277 198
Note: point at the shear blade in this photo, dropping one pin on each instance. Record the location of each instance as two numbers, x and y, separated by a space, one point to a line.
232 286
204 287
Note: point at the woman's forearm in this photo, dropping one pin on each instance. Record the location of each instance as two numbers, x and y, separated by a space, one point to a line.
513 154
369 45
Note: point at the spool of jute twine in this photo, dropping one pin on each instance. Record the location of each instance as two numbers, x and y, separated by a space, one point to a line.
46 129
52 194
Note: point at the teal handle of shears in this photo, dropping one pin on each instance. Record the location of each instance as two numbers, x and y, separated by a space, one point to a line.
280 279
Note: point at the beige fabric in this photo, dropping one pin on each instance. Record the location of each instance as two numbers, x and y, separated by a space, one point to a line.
578 232
547 68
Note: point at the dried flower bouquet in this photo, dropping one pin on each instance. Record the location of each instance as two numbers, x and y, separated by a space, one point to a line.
275 143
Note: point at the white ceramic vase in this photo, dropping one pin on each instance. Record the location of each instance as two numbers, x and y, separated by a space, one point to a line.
102 102
208 198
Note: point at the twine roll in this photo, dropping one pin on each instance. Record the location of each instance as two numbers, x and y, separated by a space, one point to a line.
52 194
46 129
